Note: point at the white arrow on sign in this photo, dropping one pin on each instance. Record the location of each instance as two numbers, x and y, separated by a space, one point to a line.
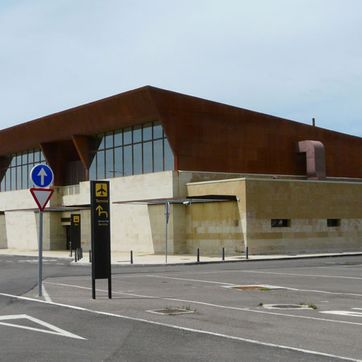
51 329
42 175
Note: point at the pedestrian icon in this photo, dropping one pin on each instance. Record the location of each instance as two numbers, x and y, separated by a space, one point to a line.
101 190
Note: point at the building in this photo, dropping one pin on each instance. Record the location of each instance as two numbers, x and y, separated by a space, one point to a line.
232 177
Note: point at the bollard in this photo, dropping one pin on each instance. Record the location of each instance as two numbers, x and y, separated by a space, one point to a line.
198 255
223 254
247 253
90 256
131 256
71 250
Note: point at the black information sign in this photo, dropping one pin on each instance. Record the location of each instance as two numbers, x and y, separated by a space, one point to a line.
75 231
101 234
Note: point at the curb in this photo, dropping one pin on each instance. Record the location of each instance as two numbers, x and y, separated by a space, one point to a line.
294 257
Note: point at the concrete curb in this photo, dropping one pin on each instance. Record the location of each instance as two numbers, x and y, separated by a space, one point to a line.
266 258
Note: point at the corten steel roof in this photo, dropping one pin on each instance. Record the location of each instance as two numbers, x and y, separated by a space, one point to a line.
204 135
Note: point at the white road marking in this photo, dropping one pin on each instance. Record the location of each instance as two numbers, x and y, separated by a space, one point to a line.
299 275
45 294
327 292
51 328
199 331
219 306
230 285
189 280
346 313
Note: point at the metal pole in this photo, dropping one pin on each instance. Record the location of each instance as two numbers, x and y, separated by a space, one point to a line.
223 254
198 255
131 256
167 214
40 254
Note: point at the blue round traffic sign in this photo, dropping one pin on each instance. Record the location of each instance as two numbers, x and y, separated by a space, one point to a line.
41 175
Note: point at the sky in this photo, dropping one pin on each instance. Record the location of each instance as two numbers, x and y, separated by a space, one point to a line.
295 59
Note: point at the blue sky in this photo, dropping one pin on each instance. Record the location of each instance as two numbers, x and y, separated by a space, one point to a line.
295 59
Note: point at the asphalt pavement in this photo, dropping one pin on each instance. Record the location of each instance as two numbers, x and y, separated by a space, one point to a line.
273 310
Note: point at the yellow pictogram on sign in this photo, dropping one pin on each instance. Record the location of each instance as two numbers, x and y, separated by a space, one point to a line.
101 212
76 219
101 190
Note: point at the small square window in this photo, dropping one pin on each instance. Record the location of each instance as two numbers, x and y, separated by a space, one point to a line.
333 222
280 223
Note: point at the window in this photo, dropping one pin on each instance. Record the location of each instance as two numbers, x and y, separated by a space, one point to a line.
132 151
333 222
17 174
280 223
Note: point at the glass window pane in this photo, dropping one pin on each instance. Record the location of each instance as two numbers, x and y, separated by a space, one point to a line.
137 134
31 157
24 159
24 178
13 179
118 138
118 162
100 165
109 163
7 180
18 178
169 164
147 157
13 161
137 158
101 143
127 136
93 169
108 140
127 160
158 159
157 131
147 132
2 185
37 156
42 158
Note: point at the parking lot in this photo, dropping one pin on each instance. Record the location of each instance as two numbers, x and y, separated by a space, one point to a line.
308 309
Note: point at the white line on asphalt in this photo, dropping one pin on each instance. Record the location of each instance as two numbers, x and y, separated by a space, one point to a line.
326 292
51 328
299 275
45 294
231 285
186 279
241 309
199 331
275 273
346 313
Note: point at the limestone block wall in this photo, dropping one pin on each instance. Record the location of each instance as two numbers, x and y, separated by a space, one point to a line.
307 205
3 240
21 230
135 227
212 226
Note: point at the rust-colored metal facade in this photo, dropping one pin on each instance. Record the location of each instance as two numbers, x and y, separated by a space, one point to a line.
204 136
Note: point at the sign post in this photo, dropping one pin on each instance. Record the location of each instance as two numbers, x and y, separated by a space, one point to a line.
101 234
41 176
75 234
